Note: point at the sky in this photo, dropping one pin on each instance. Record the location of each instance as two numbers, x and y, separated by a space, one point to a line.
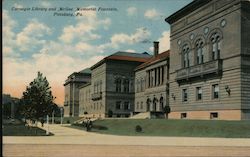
59 37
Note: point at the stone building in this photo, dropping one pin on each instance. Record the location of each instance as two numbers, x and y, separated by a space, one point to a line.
210 60
71 90
111 91
151 84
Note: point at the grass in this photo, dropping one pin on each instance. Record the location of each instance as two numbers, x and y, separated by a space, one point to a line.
181 128
22 130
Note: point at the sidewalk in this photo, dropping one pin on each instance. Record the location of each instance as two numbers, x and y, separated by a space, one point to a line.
66 135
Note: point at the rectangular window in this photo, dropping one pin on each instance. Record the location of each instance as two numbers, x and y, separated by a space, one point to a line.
213 115
184 95
215 91
183 115
126 105
199 93
118 105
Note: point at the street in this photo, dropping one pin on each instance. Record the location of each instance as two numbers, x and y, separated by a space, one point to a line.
72 142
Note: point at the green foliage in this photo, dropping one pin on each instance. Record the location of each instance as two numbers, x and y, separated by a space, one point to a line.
22 130
138 128
37 100
166 109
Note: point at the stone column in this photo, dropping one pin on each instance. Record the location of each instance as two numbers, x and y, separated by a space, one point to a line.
156 69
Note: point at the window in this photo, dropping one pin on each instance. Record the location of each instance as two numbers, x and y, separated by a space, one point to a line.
100 86
199 93
126 86
186 56
118 84
126 105
184 95
213 115
183 115
215 91
161 103
141 105
118 105
141 84
137 105
162 74
151 78
200 51
216 45
137 86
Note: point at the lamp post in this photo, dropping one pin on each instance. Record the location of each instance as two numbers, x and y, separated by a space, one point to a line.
47 131
61 109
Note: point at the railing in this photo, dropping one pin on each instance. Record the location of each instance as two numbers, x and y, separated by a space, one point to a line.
96 96
199 70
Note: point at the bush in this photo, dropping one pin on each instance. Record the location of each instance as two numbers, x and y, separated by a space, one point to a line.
68 121
138 128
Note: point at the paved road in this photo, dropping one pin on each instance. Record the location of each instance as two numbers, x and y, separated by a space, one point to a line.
73 142
70 150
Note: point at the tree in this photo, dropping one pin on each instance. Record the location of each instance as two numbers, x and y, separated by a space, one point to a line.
37 100
166 110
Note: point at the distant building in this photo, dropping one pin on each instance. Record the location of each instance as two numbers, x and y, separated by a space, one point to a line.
210 60
72 85
9 106
111 91
151 84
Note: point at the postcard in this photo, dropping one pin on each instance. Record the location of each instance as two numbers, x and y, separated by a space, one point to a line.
125 78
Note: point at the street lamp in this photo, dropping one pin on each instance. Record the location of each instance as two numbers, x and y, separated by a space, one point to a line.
61 109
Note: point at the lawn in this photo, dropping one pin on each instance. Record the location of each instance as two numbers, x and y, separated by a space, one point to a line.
22 130
163 127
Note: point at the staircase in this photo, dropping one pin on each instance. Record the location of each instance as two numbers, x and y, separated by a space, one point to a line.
143 115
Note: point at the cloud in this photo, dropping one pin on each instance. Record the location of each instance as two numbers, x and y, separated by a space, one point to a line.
16 5
131 11
130 50
152 14
85 27
45 4
164 42
140 35
8 34
32 33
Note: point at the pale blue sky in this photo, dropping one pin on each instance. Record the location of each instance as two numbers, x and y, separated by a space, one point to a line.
58 45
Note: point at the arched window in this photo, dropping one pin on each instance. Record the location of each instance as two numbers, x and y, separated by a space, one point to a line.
148 104
199 45
126 85
118 84
186 56
137 85
215 40
155 104
161 103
